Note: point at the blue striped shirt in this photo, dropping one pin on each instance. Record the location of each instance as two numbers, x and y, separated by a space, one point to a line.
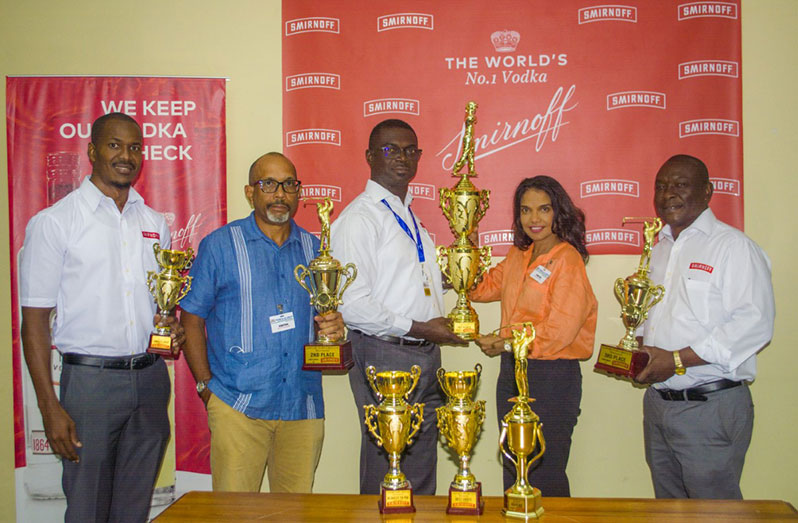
240 279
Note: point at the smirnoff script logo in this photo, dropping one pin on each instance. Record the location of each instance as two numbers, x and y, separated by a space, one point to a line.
540 127
183 237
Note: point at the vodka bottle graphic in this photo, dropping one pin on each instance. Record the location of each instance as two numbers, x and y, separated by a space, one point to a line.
62 175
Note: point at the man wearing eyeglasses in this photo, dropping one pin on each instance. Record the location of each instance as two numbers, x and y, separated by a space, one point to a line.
394 308
264 411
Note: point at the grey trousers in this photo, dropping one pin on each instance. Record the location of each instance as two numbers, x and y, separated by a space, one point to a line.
696 449
122 422
419 460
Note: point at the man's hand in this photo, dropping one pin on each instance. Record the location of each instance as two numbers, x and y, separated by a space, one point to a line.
177 330
491 345
60 431
436 330
331 325
205 396
660 365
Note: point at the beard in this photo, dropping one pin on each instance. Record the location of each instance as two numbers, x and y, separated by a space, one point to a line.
275 217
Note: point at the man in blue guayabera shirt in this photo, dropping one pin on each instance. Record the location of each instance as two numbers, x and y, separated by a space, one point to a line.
263 409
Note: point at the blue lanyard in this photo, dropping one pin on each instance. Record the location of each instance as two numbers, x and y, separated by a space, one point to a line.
417 238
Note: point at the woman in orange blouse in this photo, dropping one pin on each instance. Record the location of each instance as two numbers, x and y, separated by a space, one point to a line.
543 280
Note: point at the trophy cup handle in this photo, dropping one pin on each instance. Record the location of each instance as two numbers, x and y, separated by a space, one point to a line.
300 273
151 275
441 373
443 261
484 254
502 437
350 271
539 434
478 370
189 259
415 372
371 375
484 203
479 407
370 414
619 294
185 289
446 203
156 248
655 295
418 410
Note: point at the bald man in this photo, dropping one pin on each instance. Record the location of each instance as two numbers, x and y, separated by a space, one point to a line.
702 338
264 411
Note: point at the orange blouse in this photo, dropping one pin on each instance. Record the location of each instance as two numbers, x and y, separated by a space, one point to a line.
563 308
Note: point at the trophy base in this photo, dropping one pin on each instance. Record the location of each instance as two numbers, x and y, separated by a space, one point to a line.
466 502
523 506
337 356
161 344
396 501
620 362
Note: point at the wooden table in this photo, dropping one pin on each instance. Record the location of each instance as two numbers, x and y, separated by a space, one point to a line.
239 506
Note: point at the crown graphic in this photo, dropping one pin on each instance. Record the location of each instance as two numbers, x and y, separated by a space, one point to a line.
505 41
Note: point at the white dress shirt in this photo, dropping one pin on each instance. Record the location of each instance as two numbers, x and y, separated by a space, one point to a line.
388 293
89 261
718 300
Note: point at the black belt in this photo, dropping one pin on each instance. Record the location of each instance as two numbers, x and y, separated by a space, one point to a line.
396 340
697 393
135 362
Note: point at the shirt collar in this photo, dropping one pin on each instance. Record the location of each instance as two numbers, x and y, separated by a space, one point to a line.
704 224
252 232
377 193
93 195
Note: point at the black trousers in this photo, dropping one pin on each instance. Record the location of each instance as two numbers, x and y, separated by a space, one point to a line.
419 460
122 421
556 386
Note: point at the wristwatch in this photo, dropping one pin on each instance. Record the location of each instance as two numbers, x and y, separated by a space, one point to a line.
201 386
508 346
677 361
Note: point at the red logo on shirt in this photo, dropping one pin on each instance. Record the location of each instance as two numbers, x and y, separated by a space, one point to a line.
152 235
702 267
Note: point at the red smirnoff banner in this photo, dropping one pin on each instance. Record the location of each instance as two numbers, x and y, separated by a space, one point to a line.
597 95
183 176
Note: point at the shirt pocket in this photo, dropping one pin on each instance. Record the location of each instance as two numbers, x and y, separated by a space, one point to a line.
697 297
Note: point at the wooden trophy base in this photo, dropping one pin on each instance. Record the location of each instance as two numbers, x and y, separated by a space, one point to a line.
620 362
519 506
466 502
337 356
161 344
396 501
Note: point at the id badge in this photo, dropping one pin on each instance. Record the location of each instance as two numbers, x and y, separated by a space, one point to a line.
427 281
540 274
282 322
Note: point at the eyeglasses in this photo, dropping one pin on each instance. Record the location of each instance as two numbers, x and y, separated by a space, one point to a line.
269 186
393 152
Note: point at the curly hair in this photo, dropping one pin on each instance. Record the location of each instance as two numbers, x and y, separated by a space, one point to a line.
569 220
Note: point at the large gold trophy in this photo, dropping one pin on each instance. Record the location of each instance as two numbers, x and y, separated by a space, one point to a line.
523 431
460 421
168 287
636 294
463 263
393 424
327 282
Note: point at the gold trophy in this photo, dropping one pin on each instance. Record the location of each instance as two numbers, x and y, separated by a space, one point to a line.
460 421
396 424
524 432
462 263
327 283
636 294
168 287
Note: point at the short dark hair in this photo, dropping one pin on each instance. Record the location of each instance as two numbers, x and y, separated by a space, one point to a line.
388 124
698 167
99 124
569 220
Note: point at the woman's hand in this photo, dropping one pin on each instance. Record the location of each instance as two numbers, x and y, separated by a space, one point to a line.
491 345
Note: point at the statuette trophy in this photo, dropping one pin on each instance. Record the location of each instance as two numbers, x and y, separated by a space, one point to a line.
523 431
460 422
168 286
326 282
637 294
393 424
463 263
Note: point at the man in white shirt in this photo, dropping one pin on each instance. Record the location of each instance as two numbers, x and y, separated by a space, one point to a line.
87 258
394 307
702 338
